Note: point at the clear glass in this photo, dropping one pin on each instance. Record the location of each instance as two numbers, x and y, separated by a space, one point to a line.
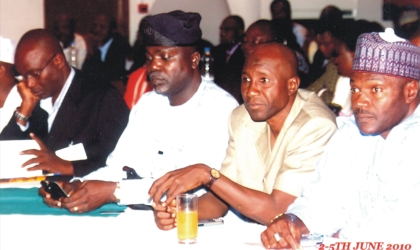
187 218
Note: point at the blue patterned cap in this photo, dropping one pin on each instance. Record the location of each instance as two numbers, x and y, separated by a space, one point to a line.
385 53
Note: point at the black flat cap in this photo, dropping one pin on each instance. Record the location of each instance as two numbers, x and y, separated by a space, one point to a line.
176 28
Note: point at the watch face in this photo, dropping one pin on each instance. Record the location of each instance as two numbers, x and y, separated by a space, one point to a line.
215 173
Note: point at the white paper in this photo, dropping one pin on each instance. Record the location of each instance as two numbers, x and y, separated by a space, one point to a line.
11 161
72 153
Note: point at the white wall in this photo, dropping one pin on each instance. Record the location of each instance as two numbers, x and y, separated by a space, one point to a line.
135 16
249 10
19 16
368 9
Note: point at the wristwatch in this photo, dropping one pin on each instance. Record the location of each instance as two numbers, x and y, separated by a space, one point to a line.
214 176
20 116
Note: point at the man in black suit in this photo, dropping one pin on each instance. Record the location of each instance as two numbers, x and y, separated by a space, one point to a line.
228 56
110 52
60 109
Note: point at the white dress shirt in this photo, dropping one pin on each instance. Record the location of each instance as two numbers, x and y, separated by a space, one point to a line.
104 49
52 109
81 48
367 186
160 138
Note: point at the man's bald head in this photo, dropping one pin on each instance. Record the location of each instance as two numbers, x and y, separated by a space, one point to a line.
39 39
283 54
40 61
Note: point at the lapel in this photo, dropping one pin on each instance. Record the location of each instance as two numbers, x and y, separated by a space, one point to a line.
63 123
263 145
113 48
237 56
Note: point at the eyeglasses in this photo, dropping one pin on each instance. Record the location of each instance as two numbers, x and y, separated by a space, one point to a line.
34 74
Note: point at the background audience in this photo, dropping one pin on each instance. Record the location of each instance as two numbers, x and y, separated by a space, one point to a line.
110 50
228 56
65 31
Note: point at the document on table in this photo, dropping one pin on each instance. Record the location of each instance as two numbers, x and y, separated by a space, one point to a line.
74 152
11 161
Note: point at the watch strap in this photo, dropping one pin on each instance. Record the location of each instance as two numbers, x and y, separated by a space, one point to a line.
212 178
20 116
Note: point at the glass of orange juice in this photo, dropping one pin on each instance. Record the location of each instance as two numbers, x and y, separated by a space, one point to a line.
187 218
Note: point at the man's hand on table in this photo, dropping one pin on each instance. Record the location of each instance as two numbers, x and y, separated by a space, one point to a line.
179 181
68 187
83 196
165 216
46 160
281 233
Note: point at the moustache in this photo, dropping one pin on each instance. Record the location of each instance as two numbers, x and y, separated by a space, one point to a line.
363 112
154 74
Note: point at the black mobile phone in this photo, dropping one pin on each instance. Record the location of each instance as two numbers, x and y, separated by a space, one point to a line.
54 189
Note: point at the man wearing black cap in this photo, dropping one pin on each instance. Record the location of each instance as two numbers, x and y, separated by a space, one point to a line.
182 122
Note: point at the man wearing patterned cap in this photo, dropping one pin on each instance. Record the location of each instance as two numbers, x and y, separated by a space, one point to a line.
9 96
183 121
368 179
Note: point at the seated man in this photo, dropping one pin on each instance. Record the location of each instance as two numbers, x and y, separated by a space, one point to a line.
275 139
182 122
61 110
367 183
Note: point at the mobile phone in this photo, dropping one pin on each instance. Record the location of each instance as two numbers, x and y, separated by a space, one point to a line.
54 189
212 222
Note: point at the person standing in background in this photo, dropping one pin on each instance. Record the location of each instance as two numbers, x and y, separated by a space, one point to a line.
110 51
74 45
228 56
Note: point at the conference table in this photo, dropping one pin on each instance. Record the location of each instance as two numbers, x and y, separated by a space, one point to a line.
130 229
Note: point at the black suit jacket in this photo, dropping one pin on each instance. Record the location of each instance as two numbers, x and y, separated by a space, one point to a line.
115 58
93 116
113 68
229 75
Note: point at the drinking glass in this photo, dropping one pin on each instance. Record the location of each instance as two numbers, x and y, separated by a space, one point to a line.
187 218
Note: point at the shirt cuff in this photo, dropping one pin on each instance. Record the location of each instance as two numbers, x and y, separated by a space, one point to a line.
23 128
135 191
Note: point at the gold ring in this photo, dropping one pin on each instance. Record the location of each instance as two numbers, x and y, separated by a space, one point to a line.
277 237
76 209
